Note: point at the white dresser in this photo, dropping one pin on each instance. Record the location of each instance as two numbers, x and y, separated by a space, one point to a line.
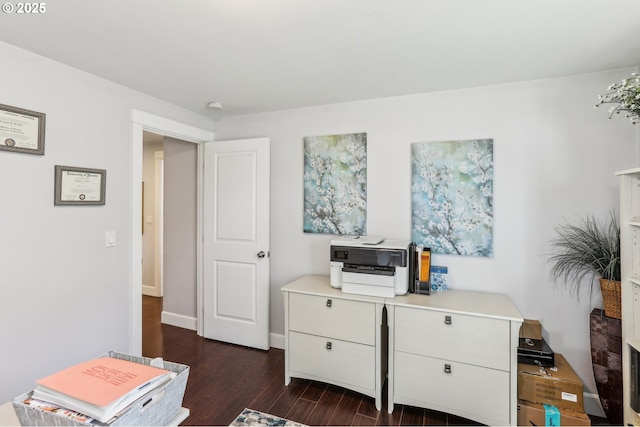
455 352
334 337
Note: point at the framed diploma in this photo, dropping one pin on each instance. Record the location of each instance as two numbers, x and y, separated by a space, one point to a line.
21 130
80 186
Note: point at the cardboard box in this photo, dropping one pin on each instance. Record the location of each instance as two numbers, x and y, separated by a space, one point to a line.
558 386
535 414
531 329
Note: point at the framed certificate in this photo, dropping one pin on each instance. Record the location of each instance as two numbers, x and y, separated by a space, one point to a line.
80 186
21 130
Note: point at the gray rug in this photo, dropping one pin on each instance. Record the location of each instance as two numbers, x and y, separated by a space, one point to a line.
250 417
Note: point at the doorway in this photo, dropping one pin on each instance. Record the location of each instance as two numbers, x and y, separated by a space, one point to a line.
169 213
141 122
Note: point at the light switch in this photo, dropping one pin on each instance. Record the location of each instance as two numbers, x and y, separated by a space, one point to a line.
111 239
148 219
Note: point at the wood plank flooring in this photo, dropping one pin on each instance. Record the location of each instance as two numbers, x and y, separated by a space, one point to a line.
225 378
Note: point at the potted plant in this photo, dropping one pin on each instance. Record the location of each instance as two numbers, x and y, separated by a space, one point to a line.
586 251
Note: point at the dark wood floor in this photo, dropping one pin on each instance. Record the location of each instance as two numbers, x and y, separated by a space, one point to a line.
224 379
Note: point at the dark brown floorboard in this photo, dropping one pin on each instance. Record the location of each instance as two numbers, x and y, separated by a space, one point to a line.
225 378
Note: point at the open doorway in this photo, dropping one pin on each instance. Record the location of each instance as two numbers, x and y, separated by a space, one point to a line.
145 122
169 232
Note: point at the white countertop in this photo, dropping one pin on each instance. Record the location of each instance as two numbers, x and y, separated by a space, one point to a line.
487 304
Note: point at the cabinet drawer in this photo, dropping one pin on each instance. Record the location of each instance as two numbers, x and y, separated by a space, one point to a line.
333 317
345 362
469 390
469 339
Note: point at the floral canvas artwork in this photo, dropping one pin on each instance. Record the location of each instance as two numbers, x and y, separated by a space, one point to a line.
452 196
335 184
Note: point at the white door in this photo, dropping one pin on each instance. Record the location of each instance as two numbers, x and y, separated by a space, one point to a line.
236 242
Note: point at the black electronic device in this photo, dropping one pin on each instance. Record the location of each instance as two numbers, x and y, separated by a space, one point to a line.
535 352
413 266
634 380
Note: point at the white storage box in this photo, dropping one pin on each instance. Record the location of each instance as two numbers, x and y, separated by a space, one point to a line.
156 409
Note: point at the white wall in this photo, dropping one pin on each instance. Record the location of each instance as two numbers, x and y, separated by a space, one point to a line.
555 156
65 297
180 227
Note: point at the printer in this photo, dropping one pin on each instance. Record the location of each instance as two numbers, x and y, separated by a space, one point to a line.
370 265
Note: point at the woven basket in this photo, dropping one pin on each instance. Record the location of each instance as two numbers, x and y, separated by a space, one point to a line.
157 408
611 298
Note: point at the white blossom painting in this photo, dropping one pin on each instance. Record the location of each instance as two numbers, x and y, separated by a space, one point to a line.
452 196
335 184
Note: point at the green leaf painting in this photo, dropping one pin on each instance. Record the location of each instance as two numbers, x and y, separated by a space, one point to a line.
335 184
452 196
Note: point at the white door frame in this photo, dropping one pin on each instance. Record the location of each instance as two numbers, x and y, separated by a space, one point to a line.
158 226
142 121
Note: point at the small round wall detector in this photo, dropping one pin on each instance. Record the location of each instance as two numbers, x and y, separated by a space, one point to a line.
215 105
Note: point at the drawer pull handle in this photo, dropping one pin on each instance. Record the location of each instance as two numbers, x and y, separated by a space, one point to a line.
447 368
328 345
329 303
447 320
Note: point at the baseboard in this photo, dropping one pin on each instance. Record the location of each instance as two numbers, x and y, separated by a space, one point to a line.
179 320
151 291
592 405
276 341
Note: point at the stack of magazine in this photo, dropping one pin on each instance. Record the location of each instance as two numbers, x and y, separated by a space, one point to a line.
98 389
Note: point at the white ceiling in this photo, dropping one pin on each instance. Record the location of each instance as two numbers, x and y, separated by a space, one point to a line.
263 55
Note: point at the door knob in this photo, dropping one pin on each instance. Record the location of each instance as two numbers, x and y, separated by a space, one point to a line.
261 254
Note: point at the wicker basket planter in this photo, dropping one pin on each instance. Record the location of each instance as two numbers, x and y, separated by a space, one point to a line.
611 297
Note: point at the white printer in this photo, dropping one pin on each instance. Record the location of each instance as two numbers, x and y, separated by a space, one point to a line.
370 265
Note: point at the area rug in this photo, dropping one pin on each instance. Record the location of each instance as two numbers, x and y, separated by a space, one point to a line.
250 417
